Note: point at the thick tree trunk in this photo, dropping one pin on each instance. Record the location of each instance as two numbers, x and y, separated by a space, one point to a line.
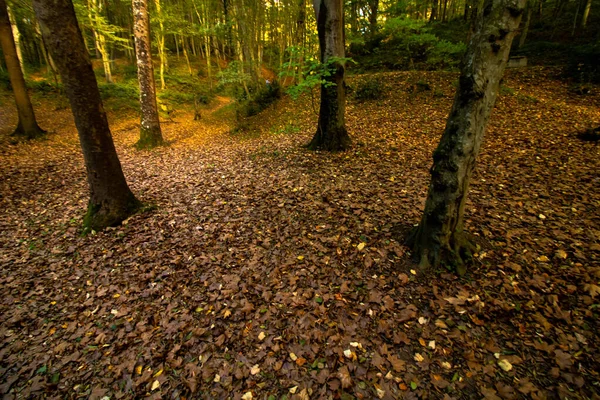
27 126
16 37
111 201
331 132
150 133
439 239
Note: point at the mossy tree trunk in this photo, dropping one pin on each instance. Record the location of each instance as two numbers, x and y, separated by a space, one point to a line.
27 126
439 238
150 132
111 200
331 132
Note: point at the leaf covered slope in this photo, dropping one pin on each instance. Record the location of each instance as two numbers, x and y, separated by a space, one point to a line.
269 270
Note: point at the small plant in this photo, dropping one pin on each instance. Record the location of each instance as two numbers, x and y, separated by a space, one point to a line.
371 88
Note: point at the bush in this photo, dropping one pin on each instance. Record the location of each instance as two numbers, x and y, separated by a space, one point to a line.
410 44
259 100
371 88
118 91
4 80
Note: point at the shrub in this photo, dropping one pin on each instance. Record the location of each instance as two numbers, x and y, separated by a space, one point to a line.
371 88
259 100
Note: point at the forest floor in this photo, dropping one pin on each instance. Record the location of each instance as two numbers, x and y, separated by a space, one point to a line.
266 271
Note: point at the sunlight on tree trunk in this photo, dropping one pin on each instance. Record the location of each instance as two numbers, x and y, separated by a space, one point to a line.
111 200
586 13
16 37
439 239
27 126
161 45
150 133
331 129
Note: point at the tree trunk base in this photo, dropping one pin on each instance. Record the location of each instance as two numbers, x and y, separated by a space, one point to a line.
149 140
103 215
28 134
332 141
431 254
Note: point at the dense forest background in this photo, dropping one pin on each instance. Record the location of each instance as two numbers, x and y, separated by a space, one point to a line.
230 46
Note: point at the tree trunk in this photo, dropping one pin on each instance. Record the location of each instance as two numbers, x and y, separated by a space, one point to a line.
354 17
525 30
439 239
331 130
373 10
111 200
586 13
161 46
27 125
434 8
16 37
150 133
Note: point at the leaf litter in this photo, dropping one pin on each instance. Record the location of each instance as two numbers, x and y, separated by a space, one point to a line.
267 270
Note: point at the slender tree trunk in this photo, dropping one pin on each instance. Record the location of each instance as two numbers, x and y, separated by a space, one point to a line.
439 239
434 8
373 10
111 200
525 30
27 126
354 17
586 13
331 129
150 132
444 16
161 45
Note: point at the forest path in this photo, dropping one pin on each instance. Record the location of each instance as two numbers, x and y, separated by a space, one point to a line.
267 268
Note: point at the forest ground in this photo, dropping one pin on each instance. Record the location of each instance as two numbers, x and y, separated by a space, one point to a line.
268 271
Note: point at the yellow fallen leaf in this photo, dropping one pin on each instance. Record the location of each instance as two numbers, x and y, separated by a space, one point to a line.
505 365
226 314
158 373
217 378
361 246
261 336
293 389
254 370
138 370
419 357
155 385
293 356
247 396
300 258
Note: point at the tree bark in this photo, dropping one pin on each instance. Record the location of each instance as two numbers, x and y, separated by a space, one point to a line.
150 133
525 30
373 10
161 45
331 132
586 13
434 8
439 238
27 126
111 200
16 37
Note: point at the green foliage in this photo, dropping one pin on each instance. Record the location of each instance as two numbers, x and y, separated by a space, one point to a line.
408 44
43 86
312 73
119 91
120 96
5 80
369 88
259 100
584 64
